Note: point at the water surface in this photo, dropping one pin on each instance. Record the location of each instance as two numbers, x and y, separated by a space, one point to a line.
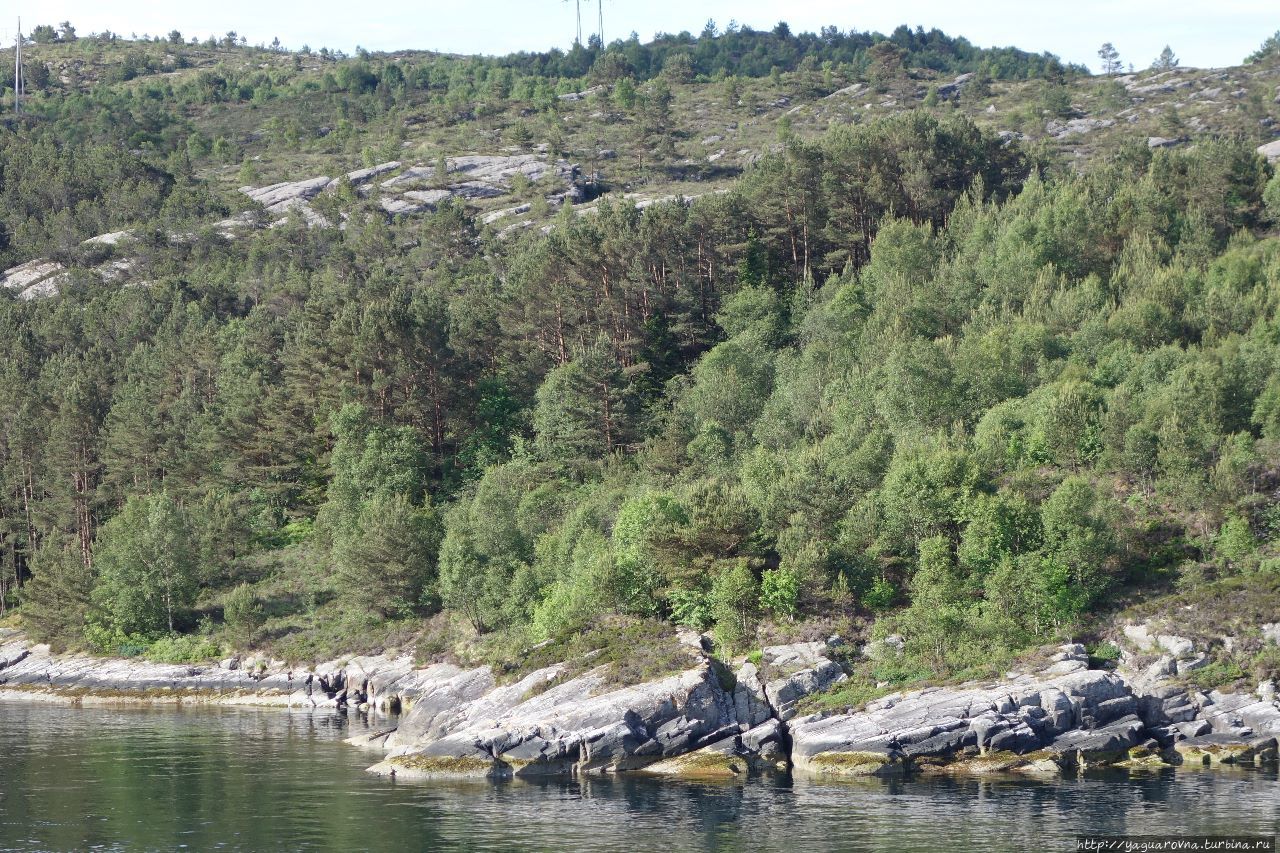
267 779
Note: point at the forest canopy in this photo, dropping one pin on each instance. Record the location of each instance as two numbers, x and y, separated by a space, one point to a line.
906 377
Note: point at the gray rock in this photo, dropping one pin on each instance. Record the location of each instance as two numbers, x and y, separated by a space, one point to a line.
1018 716
1112 709
1193 728
783 693
946 90
585 728
795 654
751 705
1075 126
1224 748
890 646
23 277
279 198
364 176
1191 664
583 95
1271 151
1099 746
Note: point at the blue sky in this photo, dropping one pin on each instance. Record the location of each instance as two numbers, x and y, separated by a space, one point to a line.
1202 33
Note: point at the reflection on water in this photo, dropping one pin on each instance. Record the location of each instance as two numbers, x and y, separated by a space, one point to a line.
265 779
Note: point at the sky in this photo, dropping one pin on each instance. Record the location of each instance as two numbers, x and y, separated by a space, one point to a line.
1201 33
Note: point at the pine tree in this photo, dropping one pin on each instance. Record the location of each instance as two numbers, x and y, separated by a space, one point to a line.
1110 59
1166 61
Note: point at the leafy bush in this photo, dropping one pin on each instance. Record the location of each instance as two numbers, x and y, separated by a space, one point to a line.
183 649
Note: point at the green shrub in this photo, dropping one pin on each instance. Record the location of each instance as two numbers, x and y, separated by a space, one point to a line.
1102 654
779 592
690 607
183 649
881 595
113 641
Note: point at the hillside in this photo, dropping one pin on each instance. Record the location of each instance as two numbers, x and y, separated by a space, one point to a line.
772 335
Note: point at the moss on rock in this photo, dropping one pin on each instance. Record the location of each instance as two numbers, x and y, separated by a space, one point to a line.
419 766
853 764
703 764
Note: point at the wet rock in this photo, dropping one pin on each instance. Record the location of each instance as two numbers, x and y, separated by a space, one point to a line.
1221 748
767 745
1106 745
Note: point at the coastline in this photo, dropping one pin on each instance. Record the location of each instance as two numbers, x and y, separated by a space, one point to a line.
444 721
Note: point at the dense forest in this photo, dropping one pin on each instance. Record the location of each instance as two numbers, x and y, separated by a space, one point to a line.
906 376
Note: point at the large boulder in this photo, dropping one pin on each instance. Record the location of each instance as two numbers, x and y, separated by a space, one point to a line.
279 198
1029 721
579 725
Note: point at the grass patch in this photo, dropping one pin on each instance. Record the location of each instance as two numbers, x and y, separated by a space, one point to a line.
853 694
1216 674
636 651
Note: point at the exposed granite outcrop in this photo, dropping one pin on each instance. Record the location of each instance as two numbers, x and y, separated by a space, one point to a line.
703 722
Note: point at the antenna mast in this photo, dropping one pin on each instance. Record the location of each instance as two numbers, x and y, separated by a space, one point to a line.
18 84
578 3
600 9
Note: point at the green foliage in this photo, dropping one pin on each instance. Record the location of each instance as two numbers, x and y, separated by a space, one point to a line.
188 649
691 608
386 560
881 595
1269 49
244 611
1235 540
779 592
56 599
146 568
915 369
644 526
734 599
1271 198
1079 536
583 409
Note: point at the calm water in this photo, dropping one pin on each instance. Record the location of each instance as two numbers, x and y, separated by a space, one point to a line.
163 779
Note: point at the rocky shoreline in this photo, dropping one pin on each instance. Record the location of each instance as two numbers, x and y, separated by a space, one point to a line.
706 722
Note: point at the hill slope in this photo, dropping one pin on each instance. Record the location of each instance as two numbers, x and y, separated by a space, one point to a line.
312 353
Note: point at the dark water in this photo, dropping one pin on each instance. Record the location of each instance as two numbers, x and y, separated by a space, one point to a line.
249 779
